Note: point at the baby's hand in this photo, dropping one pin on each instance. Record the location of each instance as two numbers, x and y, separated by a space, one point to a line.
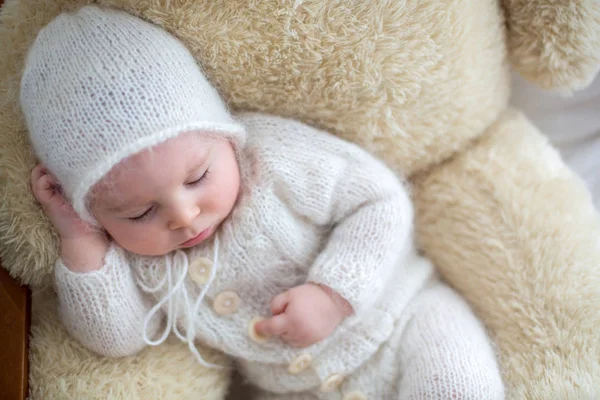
82 246
304 315
47 191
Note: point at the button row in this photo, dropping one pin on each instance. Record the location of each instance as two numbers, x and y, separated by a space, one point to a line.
228 302
224 303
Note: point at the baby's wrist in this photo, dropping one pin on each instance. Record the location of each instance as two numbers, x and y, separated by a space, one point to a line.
88 239
84 253
340 301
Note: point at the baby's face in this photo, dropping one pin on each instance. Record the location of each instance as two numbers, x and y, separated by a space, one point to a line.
172 196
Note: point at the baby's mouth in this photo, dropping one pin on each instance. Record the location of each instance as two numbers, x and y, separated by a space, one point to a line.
198 239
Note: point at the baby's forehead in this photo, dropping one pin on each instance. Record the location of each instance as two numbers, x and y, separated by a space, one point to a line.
123 187
186 148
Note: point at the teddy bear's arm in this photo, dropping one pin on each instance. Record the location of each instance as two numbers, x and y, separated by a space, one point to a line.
555 44
511 227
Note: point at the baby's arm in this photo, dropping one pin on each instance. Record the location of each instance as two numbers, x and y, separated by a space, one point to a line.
98 301
371 218
103 309
336 185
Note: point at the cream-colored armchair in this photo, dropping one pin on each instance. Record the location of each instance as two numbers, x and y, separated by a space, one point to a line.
422 84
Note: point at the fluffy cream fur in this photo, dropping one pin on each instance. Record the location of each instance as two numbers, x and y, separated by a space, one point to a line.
556 46
423 85
515 231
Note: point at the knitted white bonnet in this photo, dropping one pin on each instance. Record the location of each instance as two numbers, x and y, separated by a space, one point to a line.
101 85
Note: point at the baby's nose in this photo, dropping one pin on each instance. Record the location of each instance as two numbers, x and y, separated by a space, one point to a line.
184 216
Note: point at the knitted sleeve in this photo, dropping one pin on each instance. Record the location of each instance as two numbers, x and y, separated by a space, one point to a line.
336 184
371 218
103 310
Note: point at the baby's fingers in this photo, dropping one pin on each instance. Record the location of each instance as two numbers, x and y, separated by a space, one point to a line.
274 326
38 172
280 302
44 189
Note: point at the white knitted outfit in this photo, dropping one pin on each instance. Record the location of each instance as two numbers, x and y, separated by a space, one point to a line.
312 208
437 351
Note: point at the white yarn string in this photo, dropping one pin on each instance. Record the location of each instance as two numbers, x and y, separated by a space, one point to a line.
158 306
174 294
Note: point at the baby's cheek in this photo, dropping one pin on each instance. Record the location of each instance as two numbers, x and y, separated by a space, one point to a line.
138 238
150 243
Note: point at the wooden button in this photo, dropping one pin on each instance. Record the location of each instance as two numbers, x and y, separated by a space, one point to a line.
252 331
332 383
356 395
226 303
199 270
300 363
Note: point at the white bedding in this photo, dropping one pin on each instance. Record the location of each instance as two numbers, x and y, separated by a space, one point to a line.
571 123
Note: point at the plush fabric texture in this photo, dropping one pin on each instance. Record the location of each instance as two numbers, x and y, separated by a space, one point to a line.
556 45
571 123
60 368
104 55
525 234
414 82
374 72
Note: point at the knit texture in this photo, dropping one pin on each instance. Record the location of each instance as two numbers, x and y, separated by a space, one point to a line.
100 85
61 368
117 331
444 352
438 351
349 229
